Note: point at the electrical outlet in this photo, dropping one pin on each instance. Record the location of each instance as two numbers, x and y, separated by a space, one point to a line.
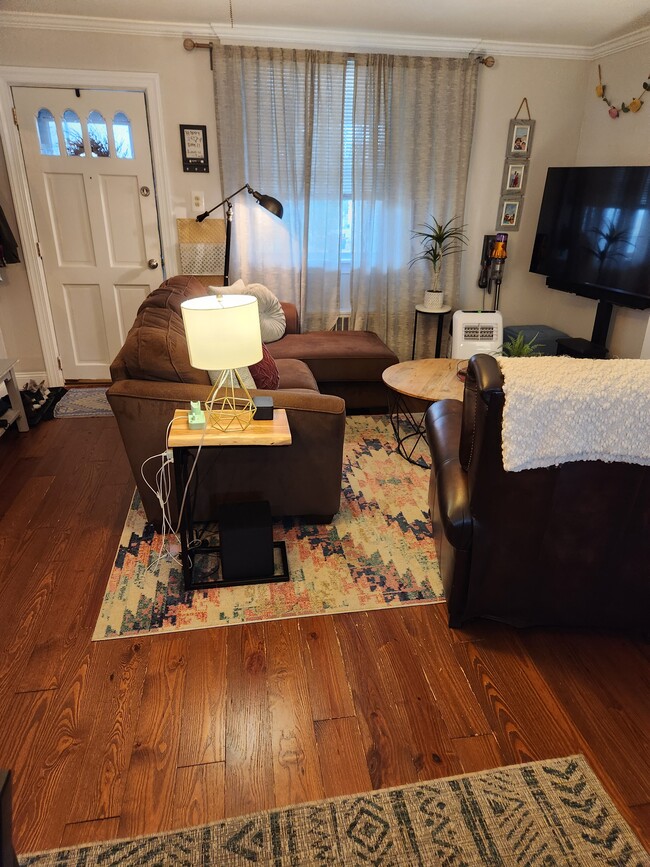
198 201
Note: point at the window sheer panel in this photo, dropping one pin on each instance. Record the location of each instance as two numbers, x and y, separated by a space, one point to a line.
424 110
360 149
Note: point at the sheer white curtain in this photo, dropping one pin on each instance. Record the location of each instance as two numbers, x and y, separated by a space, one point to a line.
360 149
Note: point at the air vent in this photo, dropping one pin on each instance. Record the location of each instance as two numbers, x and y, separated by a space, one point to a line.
480 332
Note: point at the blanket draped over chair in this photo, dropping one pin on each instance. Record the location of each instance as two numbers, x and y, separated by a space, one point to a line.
561 409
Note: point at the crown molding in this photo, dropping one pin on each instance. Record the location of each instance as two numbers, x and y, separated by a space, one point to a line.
121 26
345 40
351 40
612 46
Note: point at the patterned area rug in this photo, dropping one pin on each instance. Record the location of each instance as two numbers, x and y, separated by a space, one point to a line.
552 812
83 403
377 553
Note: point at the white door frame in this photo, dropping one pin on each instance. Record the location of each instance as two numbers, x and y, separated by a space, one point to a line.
149 84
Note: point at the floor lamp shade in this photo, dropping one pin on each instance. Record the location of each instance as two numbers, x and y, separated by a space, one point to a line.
222 331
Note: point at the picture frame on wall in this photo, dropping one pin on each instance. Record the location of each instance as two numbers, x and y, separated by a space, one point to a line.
194 147
520 138
515 177
509 215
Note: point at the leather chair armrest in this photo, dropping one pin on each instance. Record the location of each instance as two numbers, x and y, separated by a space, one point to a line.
443 425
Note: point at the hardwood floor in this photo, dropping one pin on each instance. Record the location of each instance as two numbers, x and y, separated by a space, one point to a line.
133 736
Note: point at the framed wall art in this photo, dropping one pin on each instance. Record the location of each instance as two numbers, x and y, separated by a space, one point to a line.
520 138
509 213
194 146
515 175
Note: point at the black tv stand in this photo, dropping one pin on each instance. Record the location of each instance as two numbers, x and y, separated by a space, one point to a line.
601 323
578 347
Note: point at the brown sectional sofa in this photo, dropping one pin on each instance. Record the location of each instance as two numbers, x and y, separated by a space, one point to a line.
152 377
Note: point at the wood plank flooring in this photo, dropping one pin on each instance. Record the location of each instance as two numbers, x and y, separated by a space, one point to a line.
133 736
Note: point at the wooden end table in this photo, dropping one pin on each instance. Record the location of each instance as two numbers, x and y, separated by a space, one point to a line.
183 440
16 412
428 380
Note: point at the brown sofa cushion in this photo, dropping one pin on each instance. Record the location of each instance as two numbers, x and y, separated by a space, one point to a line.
338 355
156 349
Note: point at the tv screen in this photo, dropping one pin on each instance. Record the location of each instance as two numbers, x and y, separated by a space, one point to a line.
593 234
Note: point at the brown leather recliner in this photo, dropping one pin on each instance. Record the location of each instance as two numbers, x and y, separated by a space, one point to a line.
562 545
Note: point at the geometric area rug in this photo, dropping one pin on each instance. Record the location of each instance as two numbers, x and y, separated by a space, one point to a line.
552 812
377 553
83 403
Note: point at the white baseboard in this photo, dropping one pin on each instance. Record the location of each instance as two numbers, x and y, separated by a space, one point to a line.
23 377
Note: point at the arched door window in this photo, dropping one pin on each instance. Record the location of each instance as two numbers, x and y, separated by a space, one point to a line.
73 134
98 135
47 135
122 136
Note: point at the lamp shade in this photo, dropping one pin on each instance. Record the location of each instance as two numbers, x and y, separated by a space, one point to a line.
222 331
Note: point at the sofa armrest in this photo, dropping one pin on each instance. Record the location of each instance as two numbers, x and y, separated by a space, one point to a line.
301 479
292 316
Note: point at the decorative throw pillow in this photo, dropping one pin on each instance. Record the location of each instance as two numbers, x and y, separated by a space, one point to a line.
273 322
265 372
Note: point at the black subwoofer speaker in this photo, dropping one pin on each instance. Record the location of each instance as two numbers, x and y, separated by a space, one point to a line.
246 540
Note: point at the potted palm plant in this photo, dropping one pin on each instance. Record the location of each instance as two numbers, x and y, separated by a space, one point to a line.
439 240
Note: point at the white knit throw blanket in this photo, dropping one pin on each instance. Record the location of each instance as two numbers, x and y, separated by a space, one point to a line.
560 409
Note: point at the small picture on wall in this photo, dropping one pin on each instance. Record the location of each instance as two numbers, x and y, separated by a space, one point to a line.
509 214
520 138
515 175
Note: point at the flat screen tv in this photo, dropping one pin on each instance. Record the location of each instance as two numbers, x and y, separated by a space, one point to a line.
593 234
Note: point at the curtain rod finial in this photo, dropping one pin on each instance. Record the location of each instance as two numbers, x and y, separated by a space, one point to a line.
488 61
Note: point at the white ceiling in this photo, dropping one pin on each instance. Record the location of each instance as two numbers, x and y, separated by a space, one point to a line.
577 24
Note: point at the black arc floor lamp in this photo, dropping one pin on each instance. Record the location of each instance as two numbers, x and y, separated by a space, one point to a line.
268 202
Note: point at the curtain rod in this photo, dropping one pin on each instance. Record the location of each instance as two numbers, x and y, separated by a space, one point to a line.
190 45
488 61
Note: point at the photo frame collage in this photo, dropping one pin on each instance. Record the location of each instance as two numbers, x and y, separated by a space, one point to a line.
515 174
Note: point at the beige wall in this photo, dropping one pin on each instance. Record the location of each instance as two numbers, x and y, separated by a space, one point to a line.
571 126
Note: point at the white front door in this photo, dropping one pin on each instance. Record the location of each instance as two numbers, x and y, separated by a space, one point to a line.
90 176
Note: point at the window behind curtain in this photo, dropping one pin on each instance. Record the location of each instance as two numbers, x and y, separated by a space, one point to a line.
360 149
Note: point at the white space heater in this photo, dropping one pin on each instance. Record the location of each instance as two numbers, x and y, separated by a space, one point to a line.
476 331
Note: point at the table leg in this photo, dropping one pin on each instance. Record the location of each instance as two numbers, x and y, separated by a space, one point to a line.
415 331
401 415
180 479
441 319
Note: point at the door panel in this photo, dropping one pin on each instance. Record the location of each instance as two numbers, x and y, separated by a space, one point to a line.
122 222
70 221
96 219
127 300
85 315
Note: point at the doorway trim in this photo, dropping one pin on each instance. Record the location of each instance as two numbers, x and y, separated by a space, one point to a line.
145 82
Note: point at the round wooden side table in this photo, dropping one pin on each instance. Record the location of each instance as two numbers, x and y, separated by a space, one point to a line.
428 380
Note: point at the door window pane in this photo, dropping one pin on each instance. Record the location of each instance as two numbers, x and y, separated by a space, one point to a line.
122 136
98 135
47 135
73 135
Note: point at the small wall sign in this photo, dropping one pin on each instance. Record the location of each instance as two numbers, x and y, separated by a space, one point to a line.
194 145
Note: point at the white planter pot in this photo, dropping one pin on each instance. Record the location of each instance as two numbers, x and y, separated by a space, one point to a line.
433 300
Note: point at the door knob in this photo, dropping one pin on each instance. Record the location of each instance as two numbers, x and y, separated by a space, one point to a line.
153 264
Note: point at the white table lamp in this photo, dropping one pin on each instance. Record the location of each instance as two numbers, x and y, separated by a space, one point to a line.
223 333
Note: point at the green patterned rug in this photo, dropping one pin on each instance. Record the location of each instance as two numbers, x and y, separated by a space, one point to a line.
539 814
377 553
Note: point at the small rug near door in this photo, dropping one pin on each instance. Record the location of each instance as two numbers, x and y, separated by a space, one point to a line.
377 553
83 403
552 812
